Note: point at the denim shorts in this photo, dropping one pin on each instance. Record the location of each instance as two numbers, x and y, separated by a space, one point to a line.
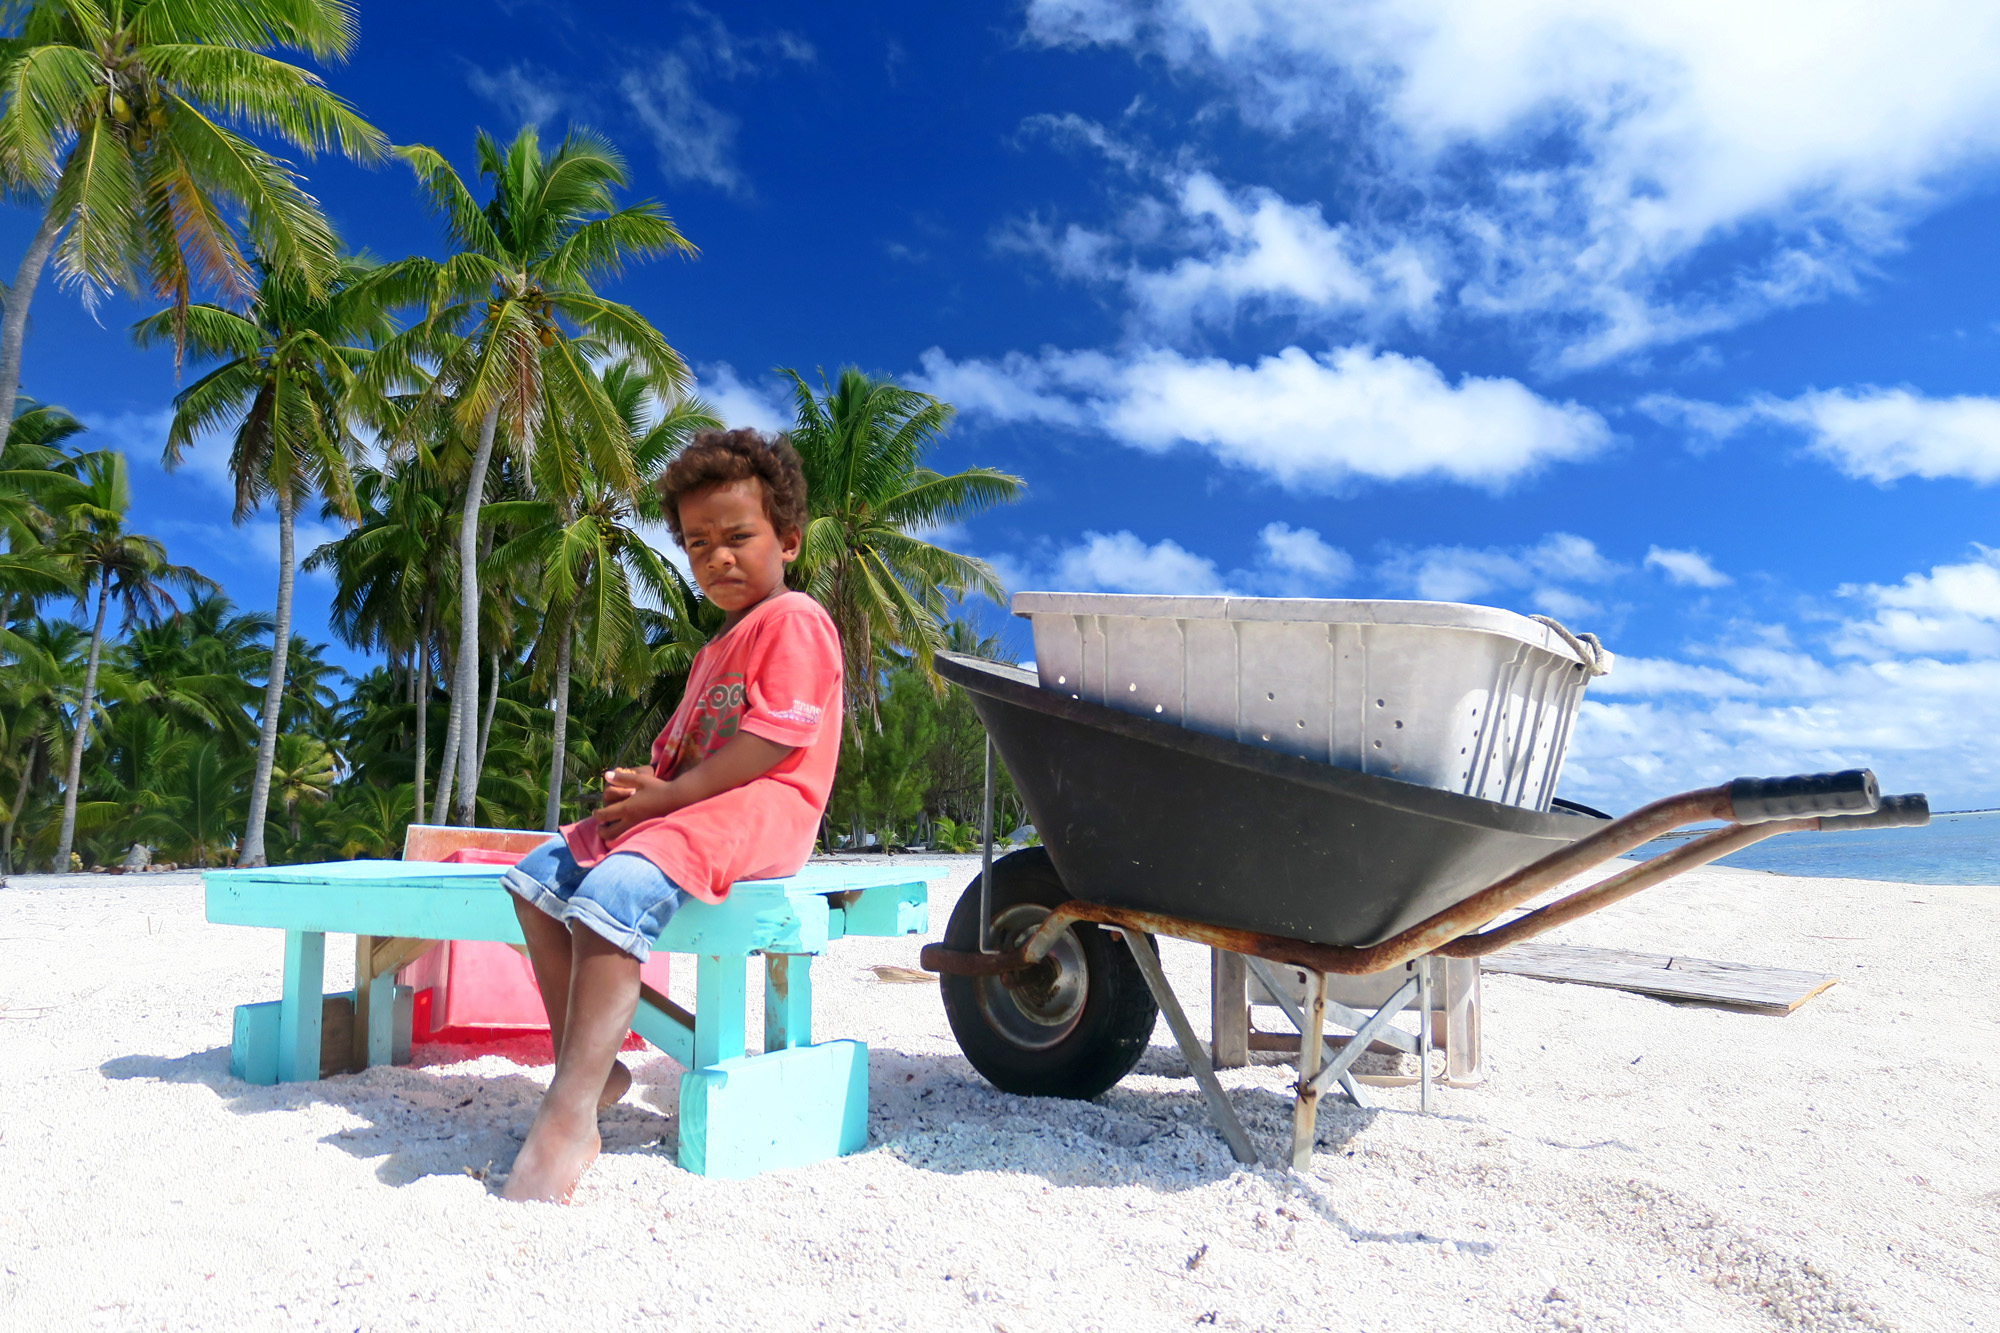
625 898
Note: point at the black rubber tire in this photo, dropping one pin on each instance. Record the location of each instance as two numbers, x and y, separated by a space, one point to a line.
1105 1037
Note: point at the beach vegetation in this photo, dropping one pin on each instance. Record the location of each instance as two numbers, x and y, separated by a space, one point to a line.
481 428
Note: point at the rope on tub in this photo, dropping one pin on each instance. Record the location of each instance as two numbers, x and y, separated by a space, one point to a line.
1594 656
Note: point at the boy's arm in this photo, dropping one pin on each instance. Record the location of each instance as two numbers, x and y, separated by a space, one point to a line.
635 795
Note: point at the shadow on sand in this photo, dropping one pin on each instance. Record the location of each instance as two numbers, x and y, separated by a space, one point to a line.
416 1122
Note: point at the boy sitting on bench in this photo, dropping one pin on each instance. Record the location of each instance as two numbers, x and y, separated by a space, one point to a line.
738 781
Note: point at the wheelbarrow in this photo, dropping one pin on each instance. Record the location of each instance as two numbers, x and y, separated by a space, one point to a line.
1152 828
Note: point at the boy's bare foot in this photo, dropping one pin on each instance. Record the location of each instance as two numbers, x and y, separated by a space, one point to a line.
616 1084
553 1160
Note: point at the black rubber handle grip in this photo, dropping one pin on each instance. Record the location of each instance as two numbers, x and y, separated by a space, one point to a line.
1913 811
1759 800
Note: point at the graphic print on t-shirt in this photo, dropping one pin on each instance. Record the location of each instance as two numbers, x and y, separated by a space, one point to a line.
717 715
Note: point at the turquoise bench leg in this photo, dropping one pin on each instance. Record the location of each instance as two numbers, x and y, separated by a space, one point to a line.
788 1000
783 1109
382 1017
299 1010
253 1046
718 1008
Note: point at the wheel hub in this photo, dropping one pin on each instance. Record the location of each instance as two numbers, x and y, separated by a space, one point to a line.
1045 1001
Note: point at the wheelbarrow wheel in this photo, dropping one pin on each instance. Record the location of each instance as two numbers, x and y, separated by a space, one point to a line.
1070 1027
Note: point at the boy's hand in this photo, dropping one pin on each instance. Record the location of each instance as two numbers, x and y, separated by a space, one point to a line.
631 797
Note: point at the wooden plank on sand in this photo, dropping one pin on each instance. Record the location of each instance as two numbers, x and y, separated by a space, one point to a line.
1764 990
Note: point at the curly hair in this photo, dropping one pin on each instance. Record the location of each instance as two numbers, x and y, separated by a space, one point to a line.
718 457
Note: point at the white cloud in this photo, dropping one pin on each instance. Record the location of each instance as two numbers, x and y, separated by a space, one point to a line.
1953 609
1688 568
142 438
1647 676
1883 434
1244 251
533 98
1909 685
1870 433
1289 562
1120 562
1303 553
694 138
1465 573
1579 156
1307 422
739 403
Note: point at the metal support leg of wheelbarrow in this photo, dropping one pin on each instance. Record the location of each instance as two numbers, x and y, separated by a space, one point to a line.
1219 1108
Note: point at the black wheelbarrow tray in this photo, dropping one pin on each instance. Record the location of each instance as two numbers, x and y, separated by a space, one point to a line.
1150 828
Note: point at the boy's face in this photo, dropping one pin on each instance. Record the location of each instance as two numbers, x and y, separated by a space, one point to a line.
738 558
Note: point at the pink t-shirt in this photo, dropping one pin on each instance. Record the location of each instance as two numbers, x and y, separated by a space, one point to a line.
775 674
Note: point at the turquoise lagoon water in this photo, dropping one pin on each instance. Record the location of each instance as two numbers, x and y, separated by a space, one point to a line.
1952 849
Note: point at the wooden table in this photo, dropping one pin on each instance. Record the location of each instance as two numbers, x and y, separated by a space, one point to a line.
795 1102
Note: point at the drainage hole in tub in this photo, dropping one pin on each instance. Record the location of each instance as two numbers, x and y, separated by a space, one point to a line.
1270 694
1133 688
1062 680
1399 724
1379 703
1159 708
1302 724
1378 745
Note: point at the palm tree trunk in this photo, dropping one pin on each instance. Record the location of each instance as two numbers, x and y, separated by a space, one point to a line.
492 703
14 323
552 811
252 851
421 661
465 691
448 752
82 737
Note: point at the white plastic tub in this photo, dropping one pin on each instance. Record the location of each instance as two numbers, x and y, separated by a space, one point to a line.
1469 699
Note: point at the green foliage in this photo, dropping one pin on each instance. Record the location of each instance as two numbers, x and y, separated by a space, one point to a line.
124 119
863 442
922 776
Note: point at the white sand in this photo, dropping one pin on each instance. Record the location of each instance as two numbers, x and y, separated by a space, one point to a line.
1629 1164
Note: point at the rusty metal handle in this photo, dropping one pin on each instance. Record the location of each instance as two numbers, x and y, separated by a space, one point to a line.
1912 811
1850 792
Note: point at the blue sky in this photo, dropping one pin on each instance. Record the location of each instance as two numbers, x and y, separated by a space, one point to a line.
1680 326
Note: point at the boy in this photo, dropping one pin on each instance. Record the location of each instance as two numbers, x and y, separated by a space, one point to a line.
738 781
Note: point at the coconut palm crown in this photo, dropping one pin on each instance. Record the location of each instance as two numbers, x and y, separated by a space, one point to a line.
288 384
122 118
862 442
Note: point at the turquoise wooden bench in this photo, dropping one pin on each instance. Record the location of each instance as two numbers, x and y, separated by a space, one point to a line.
796 1102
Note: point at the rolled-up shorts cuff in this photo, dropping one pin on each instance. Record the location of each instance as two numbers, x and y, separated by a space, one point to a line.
625 899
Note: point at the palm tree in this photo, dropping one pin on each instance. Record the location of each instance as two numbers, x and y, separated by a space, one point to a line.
579 536
868 494
389 573
126 566
198 667
287 382
47 665
112 117
202 803
36 481
303 773
513 321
